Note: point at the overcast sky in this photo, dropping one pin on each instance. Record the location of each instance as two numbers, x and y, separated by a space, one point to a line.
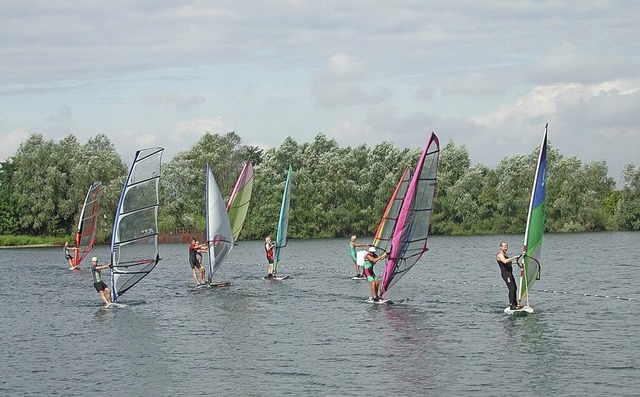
486 74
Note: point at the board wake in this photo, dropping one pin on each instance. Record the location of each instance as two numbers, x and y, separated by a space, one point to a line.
525 310
75 268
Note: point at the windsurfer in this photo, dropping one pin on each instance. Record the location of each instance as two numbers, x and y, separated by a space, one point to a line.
506 271
194 249
354 254
268 248
98 284
68 256
371 259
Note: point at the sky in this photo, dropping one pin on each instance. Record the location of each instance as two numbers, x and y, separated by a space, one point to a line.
485 74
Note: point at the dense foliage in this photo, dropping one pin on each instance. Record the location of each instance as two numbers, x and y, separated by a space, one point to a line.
336 192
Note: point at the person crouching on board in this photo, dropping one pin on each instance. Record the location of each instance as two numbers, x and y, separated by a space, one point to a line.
194 249
268 248
354 253
371 259
506 271
98 284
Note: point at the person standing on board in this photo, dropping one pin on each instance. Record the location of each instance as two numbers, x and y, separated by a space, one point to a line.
268 249
371 259
68 256
98 284
353 245
506 271
194 247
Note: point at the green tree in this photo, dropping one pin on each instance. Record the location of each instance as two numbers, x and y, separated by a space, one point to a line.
628 207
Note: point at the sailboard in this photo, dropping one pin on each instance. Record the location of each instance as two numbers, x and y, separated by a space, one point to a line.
219 235
238 203
134 243
283 225
534 231
87 223
411 230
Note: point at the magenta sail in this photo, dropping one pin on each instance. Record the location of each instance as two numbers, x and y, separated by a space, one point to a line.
410 234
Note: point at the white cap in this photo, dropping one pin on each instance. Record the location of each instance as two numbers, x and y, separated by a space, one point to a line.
372 249
94 259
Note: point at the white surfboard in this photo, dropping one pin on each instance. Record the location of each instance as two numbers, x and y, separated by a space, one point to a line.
522 311
278 278
380 302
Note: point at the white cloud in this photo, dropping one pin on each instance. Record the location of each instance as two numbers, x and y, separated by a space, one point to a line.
10 142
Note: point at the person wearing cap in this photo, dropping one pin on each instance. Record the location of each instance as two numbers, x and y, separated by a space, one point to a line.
371 259
98 284
353 249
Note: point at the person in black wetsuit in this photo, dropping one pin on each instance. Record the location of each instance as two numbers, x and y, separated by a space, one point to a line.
506 271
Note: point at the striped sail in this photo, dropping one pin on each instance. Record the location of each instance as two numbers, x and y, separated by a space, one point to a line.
283 221
535 225
409 239
134 243
219 236
238 204
87 224
382 238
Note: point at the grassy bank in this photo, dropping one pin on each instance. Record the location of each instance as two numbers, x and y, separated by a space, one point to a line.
20 241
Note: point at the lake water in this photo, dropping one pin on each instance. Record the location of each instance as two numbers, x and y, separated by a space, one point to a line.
314 334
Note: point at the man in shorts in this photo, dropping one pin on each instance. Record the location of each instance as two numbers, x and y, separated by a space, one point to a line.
98 284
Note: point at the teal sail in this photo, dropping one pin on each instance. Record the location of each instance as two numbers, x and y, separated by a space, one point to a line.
134 243
535 226
283 222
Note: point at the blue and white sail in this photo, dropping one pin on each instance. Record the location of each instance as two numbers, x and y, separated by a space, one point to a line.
134 243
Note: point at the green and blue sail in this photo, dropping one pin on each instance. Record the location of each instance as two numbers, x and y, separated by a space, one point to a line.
535 225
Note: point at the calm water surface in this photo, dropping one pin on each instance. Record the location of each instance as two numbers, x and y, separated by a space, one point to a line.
313 334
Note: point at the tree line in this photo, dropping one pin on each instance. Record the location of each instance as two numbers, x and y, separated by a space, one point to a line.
337 191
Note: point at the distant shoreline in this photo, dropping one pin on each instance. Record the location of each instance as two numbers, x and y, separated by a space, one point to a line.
30 246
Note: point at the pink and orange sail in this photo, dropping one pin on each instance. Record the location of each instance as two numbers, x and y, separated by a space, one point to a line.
411 230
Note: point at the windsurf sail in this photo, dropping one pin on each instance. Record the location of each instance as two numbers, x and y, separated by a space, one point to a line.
238 204
87 223
534 231
382 238
283 222
219 236
134 243
411 231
